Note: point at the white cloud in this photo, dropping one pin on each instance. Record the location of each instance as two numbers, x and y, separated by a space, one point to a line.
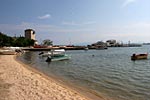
44 16
69 23
127 2
89 22
78 24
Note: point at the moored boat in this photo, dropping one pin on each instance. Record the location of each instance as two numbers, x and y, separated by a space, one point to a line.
57 58
57 52
7 52
101 47
86 48
55 55
139 56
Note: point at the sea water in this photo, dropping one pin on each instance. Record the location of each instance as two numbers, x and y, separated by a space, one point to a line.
108 72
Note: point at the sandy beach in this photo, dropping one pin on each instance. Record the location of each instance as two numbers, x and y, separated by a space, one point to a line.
17 82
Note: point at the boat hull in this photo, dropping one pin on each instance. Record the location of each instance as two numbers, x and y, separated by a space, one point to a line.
58 58
139 56
65 57
7 52
55 55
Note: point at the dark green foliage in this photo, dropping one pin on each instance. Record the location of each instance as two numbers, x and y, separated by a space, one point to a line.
15 41
5 40
47 42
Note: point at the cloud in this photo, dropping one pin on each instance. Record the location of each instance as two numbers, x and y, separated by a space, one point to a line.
69 23
127 2
90 22
44 16
72 23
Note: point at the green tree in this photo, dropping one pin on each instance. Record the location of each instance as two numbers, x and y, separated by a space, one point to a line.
15 41
23 42
5 40
47 42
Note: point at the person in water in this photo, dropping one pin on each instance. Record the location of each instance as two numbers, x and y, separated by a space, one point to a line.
49 59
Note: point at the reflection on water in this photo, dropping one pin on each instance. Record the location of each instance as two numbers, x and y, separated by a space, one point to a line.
110 72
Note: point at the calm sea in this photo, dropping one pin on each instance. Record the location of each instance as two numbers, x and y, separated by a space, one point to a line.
109 72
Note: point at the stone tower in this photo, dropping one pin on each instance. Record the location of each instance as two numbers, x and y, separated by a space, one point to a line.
30 34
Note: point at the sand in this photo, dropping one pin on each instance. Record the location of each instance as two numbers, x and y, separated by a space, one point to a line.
17 82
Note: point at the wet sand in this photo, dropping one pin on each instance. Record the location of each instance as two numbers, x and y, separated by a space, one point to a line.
20 82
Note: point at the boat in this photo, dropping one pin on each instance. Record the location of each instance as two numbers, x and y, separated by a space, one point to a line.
101 47
139 56
57 58
7 52
86 48
57 52
55 55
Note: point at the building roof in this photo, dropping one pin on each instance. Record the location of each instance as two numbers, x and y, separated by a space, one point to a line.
29 30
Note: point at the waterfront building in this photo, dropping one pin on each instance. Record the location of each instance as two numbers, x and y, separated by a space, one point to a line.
111 43
30 34
99 43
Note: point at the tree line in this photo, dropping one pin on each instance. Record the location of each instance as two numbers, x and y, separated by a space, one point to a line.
15 41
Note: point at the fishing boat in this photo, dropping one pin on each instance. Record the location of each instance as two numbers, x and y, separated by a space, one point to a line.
139 56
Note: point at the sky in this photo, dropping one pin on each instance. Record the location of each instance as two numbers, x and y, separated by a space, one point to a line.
68 22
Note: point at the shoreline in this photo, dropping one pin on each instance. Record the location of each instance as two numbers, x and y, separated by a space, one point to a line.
90 94
29 83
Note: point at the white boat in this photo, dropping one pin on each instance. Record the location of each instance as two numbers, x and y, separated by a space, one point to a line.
57 52
86 48
57 58
7 52
55 55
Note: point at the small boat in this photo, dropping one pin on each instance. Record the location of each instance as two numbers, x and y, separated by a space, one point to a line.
86 48
55 55
7 52
57 58
57 52
139 56
101 47
10 50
